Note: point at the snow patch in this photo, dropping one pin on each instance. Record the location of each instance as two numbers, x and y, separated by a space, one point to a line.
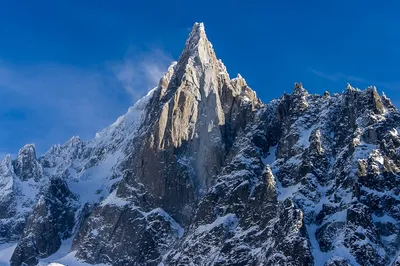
128 122
394 132
377 156
384 219
286 192
114 200
94 184
68 260
6 251
174 225
271 157
320 258
304 139
229 221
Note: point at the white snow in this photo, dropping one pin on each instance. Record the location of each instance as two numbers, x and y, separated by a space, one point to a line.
363 150
174 225
6 251
304 139
7 178
320 258
127 123
283 192
229 221
94 184
61 258
271 155
246 99
112 199
286 192
377 156
388 193
294 160
340 216
89 177
394 132
384 219
68 260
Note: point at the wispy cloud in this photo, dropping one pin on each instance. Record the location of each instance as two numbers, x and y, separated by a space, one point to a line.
391 85
337 76
140 72
48 103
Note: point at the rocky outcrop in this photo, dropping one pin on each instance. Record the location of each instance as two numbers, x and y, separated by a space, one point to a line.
21 181
51 221
26 166
242 207
7 186
323 160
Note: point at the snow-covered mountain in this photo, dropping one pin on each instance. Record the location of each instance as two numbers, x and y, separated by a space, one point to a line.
201 172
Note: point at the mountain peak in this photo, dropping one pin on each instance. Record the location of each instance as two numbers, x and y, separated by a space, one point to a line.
26 164
196 34
197 45
27 150
299 89
198 27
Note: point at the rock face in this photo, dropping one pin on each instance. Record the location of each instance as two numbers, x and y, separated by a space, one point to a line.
50 222
201 172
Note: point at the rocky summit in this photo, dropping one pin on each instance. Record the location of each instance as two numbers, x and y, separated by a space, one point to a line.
201 172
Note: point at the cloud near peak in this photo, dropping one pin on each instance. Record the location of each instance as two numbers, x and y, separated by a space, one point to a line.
138 73
49 103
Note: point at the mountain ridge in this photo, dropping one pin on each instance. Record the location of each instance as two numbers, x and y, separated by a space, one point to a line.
201 172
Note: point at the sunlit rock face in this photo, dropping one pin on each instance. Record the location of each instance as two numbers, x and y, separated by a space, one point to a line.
201 172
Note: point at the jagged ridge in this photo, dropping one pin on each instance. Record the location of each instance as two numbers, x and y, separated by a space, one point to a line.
201 172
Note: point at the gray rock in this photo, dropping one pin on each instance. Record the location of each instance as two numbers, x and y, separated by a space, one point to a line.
51 221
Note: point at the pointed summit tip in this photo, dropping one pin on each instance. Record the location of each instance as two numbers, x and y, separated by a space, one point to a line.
238 77
349 87
28 148
197 45
298 85
197 34
299 89
197 31
198 26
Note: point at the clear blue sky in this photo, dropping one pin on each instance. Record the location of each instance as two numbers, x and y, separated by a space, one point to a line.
71 68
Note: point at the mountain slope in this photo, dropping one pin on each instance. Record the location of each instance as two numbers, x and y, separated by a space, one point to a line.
200 172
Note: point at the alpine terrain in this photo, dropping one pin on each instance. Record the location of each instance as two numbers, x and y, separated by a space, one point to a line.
201 172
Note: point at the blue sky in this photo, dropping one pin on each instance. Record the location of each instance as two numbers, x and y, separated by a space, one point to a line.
71 68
